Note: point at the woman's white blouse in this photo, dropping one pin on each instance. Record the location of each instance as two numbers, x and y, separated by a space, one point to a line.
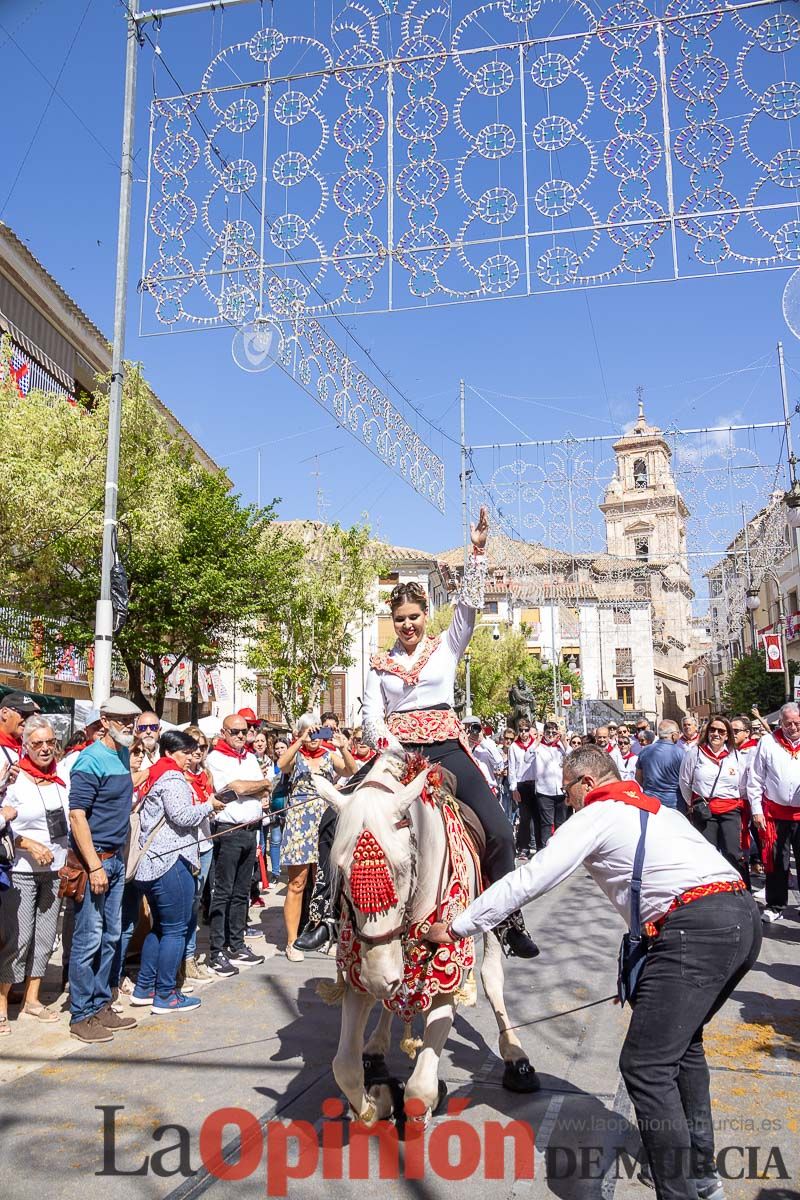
31 802
434 683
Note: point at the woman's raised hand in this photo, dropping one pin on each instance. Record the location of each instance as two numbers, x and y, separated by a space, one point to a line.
479 532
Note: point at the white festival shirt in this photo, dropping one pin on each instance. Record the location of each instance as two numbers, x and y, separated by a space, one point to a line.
549 768
603 838
703 776
490 760
625 766
31 802
521 763
224 770
434 684
773 772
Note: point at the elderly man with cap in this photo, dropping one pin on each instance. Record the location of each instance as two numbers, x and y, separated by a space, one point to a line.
100 799
15 707
773 789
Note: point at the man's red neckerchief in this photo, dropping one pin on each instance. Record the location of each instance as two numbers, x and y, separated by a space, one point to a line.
44 774
626 791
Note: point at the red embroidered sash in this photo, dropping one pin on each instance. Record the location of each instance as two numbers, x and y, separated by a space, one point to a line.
774 812
425 725
653 928
409 675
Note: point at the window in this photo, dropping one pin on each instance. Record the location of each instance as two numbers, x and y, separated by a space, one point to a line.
622 616
334 698
530 616
389 580
623 663
625 695
640 587
490 607
641 547
640 480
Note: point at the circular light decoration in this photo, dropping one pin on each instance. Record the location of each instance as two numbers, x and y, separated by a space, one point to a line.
791 303
257 345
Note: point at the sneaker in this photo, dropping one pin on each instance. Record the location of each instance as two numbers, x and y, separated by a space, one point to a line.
219 965
257 903
760 895
141 999
90 1030
127 986
770 915
194 970
176 1003
252 931
245 957
113 1021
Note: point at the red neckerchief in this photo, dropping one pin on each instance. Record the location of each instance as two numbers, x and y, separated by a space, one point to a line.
628 792
626 757
80 746
201 786
715 758
526 745
223 748
365 754
689 741
12 743
782 740
48 775
610 747
748 745
164 764
317 750
545 742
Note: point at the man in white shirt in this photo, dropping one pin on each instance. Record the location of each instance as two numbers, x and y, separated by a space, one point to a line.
689 733
237 778
549 755
773 789
485 752
522 784
705 936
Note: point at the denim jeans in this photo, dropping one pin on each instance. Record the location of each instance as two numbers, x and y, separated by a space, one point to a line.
275 839
131 904
206 857
94 943
170 897
701 954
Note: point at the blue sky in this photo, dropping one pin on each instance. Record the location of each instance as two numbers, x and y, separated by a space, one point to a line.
703 350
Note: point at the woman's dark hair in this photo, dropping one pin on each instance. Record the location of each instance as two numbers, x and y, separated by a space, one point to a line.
722 721
136 744
176 739
408 593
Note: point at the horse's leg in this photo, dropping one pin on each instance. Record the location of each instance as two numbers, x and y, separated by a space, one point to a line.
519 1076
380 1039
348 1067
424 1082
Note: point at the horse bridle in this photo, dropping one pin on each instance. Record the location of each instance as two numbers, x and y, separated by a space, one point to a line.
402 929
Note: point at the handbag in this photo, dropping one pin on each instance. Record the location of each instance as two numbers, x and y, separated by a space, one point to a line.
72 878
134 853
701 809
634 946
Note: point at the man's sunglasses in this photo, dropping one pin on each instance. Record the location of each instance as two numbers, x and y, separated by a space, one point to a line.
148 728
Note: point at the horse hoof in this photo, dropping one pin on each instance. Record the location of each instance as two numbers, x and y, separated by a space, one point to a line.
520 1077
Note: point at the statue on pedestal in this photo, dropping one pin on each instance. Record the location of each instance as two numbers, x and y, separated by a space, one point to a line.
521 700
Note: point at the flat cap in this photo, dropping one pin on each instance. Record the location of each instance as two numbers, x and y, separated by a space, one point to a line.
119 706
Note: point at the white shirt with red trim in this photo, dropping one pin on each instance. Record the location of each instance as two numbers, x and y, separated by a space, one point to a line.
704 776
225 769
775 773
549 768
521 763
625 763
603 838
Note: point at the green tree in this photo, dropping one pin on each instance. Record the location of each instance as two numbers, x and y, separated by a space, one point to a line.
750 683
331 590
495 663
199 564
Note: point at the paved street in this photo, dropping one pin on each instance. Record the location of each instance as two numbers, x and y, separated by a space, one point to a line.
264 1043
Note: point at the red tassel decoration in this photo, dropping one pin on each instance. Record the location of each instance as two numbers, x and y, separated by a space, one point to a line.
371 886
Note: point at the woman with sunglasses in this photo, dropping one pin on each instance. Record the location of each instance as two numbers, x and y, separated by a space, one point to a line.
575 741
713 784
202 785
623 755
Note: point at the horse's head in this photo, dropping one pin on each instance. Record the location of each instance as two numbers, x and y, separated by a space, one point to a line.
375 852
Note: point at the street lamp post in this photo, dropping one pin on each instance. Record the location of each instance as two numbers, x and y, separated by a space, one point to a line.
753 602
467 686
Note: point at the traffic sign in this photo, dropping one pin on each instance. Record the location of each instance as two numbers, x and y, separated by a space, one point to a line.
566 695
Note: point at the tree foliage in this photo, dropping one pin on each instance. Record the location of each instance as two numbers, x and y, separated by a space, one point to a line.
495 663
750 683
333 588
199 564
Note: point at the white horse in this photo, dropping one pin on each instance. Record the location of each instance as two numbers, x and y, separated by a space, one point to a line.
411 833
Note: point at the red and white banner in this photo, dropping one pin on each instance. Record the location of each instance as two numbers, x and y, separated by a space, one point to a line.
566 695
773 652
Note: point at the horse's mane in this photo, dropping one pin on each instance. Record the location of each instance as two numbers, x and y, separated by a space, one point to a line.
373 809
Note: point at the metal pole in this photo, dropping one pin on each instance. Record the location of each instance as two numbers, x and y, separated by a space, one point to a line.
787 685
749 580
158 14
467 686
104 619
464 514
786 417
258 481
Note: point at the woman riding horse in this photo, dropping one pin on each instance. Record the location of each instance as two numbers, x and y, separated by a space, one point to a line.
409 696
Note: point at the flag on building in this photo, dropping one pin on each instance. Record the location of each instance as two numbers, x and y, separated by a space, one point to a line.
774 653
